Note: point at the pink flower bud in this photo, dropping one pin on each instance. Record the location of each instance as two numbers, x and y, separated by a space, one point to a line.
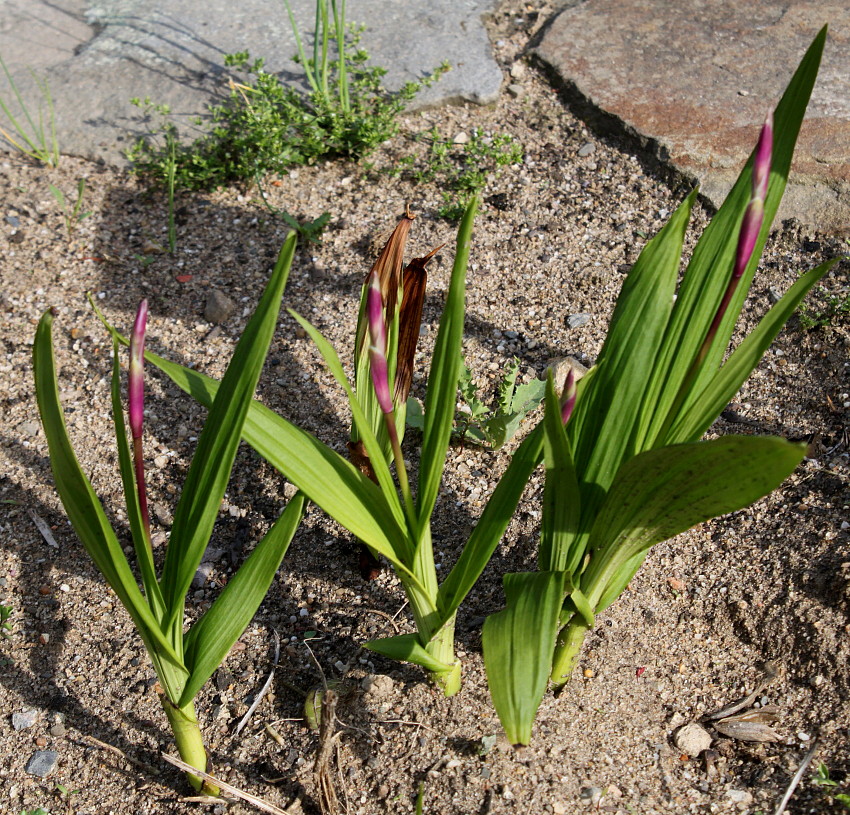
135 379
761 162
568 397
378 346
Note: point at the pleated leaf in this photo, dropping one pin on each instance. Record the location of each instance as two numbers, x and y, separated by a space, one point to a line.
710 268
82 505
441 396
407 648
728 380
663 492
518 643
561 496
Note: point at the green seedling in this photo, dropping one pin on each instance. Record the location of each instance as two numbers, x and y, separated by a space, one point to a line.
460 170
479 424
825 310
310 231
5 625
73 215
32 139
625 467
183 658
37 811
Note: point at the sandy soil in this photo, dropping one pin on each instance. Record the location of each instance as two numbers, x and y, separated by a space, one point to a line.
693 632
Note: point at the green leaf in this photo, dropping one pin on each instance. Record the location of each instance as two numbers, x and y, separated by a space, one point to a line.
604 419
144 555
365 431
726 382
711 264
326 478
663 492
209 472
82 505
441 397
408 648
414 416
561 496
518 643
211 638
492 524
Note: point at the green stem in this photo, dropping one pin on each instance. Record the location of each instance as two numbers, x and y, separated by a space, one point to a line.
190 743
567 649
442 647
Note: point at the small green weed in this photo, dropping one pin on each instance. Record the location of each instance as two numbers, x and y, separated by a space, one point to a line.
73 215
32 139
479 424
267 127
5 625
309 231
37 811
822 779
461 170
826 308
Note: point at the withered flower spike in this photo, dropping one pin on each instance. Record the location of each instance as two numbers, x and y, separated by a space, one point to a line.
389 264
409 322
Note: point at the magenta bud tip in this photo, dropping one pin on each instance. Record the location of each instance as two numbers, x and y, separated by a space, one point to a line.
135 379
761 162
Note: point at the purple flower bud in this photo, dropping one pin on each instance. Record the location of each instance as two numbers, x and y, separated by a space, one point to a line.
568 397
378 346
135 379
761 162
747 237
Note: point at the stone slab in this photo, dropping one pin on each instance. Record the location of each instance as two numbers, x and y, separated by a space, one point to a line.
97 54
692 82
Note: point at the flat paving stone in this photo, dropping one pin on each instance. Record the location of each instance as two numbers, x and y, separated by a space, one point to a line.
97 54
694 81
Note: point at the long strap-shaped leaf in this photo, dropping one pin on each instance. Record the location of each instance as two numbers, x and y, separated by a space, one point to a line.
210 639
441 396
663 492
711 264
325 477
209 472
82 505
727 381
561 496
601 427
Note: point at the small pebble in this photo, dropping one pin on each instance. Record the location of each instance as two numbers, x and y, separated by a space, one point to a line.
516 91
692 739
42 763
57 730
219 308
24 719
586 149
577 320
461 138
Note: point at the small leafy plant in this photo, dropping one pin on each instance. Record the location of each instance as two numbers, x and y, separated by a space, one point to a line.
479 424
625 467
183 661
73 215
384 513
5 625
267 127
36 140
828 307
461 170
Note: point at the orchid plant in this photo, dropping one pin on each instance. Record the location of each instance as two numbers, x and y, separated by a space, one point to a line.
390 516
183 661
628 469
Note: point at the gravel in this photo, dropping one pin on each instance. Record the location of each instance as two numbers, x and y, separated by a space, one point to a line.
688 636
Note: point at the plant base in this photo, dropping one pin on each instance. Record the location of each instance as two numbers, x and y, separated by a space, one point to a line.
190 744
